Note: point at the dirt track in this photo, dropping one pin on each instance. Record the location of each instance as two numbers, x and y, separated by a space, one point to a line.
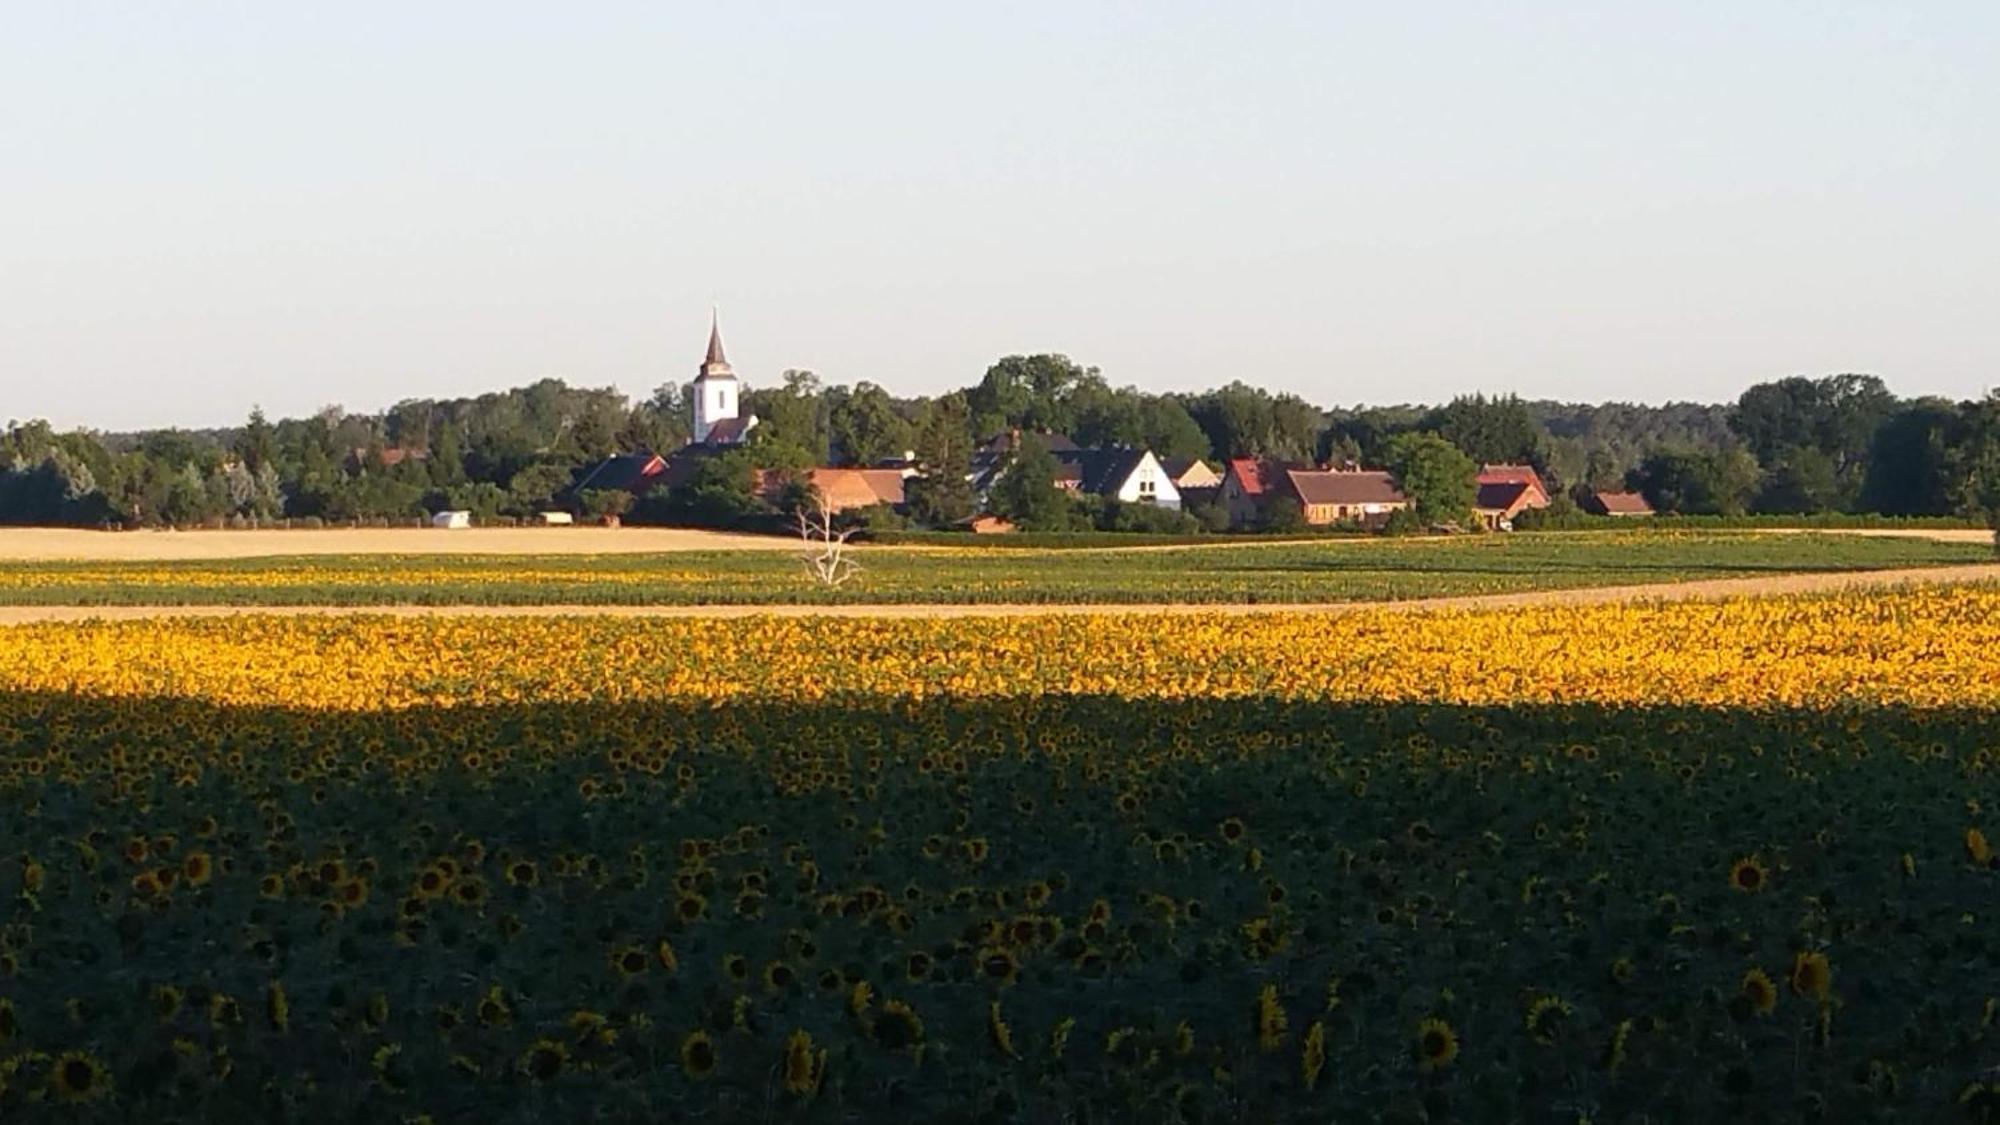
1706 589
37 544
45 544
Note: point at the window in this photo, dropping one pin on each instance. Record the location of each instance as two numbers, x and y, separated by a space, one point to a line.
721 401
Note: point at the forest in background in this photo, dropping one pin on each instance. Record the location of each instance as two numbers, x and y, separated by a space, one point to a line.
1794 446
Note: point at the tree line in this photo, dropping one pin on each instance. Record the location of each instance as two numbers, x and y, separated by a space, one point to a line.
1794 446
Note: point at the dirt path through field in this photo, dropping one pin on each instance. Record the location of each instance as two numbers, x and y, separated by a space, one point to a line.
1708 589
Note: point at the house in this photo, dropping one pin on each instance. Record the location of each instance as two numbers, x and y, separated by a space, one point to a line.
1505 474
1248 486
636 473
454 521
845 489
556 519
1498 502
1131 476
1363 496
989 525
1324 496
357 459
1623 505
1191 472
991 459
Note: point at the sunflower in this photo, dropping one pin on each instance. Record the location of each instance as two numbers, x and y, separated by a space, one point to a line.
1267 1018
917 966
1436 1045
1312 1060
1749 875
197 868
544 1061
271 886
629 961
277 1006
1622 970
736 966
522 873
779 976
1977 849
997 1031
1812 975
1231 830
1614 1050
804 1067
898 1026
1545 1019
998 966
698 1055
79 1077
1758 993
494 1010
167 1002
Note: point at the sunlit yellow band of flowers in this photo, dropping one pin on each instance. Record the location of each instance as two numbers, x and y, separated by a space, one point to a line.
1924 647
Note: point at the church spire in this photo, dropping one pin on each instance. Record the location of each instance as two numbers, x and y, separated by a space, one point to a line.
715 356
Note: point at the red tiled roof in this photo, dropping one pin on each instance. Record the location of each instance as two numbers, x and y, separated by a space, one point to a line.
1508 474
1255 476
1622 503
1501 496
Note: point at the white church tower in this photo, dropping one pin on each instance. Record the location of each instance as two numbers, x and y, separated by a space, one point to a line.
718 396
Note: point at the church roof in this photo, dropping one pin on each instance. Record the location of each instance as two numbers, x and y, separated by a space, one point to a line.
715 365
715 342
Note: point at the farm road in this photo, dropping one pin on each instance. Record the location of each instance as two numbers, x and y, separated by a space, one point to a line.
1708 589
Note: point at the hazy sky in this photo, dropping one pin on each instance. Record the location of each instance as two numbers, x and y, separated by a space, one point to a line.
206 205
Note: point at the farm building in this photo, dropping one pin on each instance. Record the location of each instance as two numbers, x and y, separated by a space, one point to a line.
846 489
1624 505
1505 491
1324 496
454 520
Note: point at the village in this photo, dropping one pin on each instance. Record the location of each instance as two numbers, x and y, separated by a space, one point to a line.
1246 494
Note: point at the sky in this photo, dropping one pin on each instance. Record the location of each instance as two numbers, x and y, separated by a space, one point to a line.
205 206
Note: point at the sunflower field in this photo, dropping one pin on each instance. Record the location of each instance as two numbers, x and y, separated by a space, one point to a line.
1644 863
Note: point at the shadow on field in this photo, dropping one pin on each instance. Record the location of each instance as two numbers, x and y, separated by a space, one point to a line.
1078 907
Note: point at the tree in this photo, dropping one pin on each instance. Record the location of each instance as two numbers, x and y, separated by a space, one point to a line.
256 445
1026 492
535 488
1685 482
1836 416
1245 421
662 423
1975 462
1436 475
826 559
864 426
943 495
792 414
447 460
1804 480
1909 469
1031 392
1493 430
598 503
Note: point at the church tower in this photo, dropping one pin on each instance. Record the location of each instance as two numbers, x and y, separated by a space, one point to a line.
717 396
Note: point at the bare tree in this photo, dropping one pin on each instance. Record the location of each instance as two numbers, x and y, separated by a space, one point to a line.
825 556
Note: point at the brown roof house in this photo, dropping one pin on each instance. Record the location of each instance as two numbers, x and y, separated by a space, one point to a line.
1624 505
846 489
1324 496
